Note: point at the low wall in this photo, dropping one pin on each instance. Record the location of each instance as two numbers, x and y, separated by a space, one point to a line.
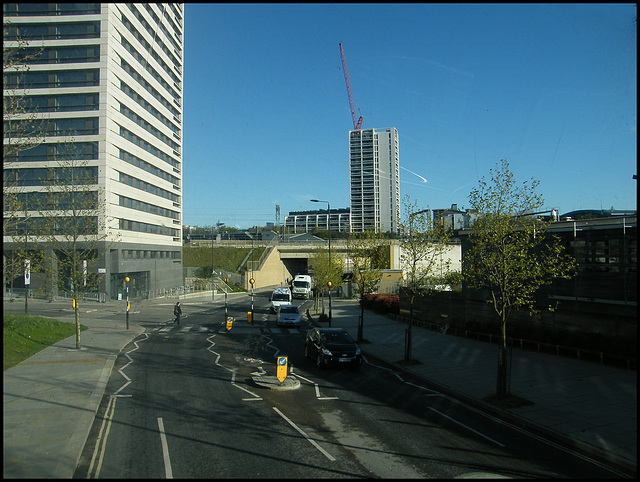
451 308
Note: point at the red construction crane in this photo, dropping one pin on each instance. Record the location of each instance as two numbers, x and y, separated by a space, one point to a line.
356 123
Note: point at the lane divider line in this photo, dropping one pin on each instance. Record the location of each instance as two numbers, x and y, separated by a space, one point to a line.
466 426
165 450
309 439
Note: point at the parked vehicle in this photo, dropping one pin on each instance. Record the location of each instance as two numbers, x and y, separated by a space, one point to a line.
332 346
288 315
280 296
302 286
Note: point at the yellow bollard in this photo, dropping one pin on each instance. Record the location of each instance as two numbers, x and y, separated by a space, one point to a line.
229 322
249 316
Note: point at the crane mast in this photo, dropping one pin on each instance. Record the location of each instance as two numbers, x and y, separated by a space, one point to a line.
356 123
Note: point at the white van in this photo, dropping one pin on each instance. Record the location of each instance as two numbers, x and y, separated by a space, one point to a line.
302 286
280 296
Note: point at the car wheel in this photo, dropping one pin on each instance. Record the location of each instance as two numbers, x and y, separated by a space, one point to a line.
319 361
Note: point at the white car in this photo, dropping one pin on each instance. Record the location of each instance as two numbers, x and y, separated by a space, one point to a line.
288 315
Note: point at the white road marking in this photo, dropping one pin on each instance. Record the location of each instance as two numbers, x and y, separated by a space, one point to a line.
101 442
465 426
316 388
301 432
233 372
165 450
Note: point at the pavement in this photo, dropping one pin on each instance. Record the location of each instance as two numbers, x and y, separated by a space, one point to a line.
51 399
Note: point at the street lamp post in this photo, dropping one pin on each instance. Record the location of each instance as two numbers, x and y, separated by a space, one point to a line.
226 288
213 273
126 279
27 274
213 290
251 280
329 229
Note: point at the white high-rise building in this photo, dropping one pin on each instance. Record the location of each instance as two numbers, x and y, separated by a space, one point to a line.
108 79
374 177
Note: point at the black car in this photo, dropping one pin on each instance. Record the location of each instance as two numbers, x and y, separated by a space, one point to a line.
332 346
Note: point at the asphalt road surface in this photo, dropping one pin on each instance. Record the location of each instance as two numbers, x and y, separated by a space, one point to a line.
182 403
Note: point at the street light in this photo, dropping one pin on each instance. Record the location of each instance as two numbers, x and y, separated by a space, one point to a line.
329 228
251 280
213 273
126 280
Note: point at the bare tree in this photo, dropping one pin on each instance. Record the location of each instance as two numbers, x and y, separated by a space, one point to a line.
23 128
424 245
510 253
72 223
367 263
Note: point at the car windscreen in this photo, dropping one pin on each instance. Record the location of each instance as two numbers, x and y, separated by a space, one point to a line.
339 337
280 297
288 309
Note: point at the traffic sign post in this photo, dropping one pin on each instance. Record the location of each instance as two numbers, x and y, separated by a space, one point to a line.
226 288
281 368
252 281
27 282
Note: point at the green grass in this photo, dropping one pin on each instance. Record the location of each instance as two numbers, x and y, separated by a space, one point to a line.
24 336
225 258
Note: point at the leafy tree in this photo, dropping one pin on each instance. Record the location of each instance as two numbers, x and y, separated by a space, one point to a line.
325 271
363 251
510 254
424 244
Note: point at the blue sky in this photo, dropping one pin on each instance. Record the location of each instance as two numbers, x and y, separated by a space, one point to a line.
551 88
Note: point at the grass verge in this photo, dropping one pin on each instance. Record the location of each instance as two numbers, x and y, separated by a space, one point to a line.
24 336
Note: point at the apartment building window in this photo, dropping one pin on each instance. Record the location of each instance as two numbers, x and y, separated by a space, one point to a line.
148 208
61 31
51 176
128 225
59 55
63 103
150 188
37 9
145 166
52 80
57 152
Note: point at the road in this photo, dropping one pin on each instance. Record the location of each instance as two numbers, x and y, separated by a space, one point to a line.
181 402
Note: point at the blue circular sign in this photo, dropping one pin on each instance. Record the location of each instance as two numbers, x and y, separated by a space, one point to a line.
282 361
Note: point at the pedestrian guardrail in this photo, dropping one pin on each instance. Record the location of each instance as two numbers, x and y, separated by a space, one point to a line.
609 359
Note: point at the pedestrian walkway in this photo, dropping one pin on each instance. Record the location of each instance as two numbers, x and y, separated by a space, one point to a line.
590 406
50 400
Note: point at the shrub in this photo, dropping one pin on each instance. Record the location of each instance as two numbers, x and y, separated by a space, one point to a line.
381 303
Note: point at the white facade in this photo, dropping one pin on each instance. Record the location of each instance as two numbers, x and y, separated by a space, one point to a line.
306 221
127 62
374 179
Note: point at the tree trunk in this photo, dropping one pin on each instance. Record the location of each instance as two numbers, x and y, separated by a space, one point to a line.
361 321
408 354
501 391
77 316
